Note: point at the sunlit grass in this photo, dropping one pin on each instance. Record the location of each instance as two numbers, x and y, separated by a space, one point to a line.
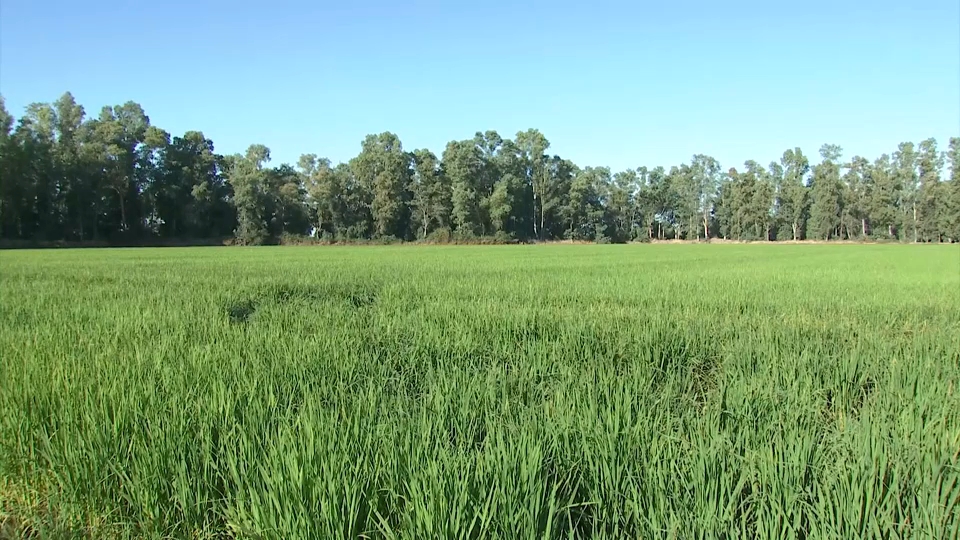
663 391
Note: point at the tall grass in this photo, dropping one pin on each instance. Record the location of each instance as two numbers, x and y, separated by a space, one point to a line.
482 392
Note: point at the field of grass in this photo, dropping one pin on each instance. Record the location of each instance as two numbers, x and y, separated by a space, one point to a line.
665 391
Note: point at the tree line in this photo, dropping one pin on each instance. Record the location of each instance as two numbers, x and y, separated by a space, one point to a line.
67 176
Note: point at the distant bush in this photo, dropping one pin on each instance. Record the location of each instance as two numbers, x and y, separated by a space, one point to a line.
439 236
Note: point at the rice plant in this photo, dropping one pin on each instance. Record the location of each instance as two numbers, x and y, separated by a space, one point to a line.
654 391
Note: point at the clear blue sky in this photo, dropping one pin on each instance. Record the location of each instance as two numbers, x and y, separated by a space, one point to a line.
609 83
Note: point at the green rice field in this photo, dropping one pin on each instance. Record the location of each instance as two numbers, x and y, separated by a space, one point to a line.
551 391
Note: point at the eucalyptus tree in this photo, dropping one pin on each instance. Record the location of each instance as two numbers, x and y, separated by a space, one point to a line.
247 176
116 176
950 215
383 170
583 212
929 196
463 164
794 197
905 171
857 194
826 194
622 205
429 195
884 197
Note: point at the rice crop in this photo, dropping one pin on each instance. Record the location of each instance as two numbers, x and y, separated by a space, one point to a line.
556 391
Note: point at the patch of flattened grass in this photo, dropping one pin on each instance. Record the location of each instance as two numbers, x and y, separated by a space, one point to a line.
356 295
241 311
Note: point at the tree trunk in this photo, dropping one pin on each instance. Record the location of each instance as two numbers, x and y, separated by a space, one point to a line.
706 229
123 213
914 223
795 231
863 226
543 217
536 231
80 216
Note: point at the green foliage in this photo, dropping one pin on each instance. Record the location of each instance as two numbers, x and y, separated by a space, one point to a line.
250 194
826 195
905 172
115 178
745 203
429 194
500 204
623 207
584 210
794 198
462 164
950 209
481 392
382 170
930 194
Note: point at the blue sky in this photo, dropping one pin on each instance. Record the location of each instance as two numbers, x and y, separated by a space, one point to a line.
609 83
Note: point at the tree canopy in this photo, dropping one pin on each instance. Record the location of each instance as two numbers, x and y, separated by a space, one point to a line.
66 175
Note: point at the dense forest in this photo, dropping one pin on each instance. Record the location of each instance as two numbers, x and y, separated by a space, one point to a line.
67 176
